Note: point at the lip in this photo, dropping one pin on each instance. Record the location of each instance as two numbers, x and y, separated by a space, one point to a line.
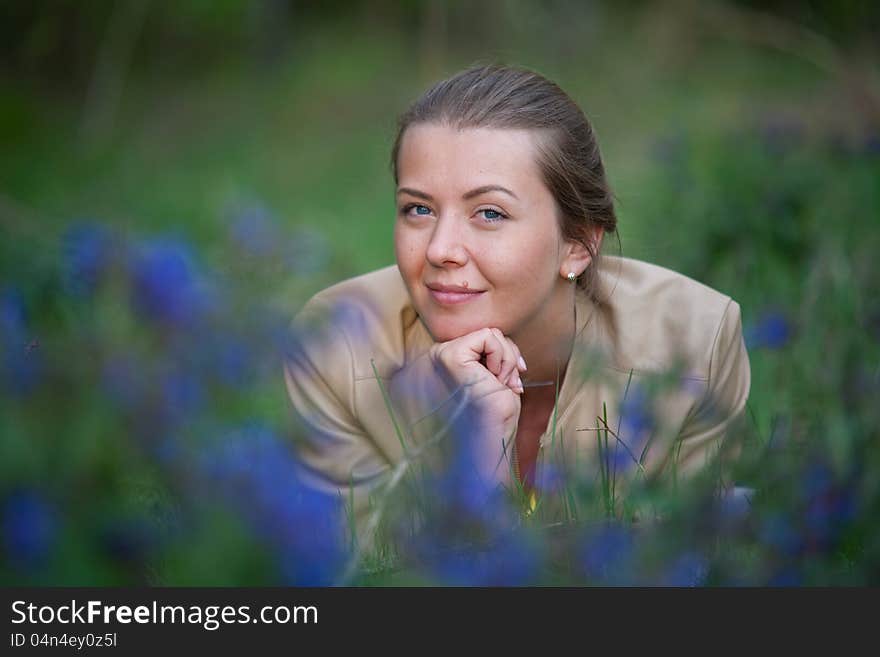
451 295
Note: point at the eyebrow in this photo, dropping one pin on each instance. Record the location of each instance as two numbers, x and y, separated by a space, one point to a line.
467 195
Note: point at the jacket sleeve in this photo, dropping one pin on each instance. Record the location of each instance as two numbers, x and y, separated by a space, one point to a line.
722 405
336 454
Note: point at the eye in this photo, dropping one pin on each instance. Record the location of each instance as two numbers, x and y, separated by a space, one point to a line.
491 215
421 210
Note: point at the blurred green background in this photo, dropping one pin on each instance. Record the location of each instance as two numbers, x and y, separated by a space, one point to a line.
251 140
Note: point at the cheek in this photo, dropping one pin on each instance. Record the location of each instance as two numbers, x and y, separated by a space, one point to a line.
522 264
408 251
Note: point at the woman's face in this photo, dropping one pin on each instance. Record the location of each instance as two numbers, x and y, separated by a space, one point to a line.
477 237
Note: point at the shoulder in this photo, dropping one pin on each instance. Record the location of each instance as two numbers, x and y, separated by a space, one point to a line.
662 317
368 313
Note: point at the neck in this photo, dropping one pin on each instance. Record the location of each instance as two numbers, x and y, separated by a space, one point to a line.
546 340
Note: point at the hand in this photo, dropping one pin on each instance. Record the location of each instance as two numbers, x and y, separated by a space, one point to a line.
488 365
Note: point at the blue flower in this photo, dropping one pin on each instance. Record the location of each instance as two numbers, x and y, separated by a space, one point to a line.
770 331
258 475
688 569
829 507
22 359
12 317
29 528
786 576
129 540
636 425
166 287
86 250
181 394
229 359
463 485
735 505
607 555
512 559
121 381
780 533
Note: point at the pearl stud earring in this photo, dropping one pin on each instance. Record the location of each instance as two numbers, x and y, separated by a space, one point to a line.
572 277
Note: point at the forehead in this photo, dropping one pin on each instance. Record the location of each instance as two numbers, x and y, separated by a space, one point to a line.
434 154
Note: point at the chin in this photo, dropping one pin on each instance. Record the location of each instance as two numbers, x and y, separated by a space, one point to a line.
446 329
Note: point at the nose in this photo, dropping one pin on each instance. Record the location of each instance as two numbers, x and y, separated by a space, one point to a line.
446 247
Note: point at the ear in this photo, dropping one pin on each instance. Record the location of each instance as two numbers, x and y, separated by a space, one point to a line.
579 255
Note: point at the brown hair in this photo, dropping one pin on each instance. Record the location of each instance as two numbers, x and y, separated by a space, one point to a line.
497 96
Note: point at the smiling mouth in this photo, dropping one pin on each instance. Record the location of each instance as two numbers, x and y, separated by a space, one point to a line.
452 295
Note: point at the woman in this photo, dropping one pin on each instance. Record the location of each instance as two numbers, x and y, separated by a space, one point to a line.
501 301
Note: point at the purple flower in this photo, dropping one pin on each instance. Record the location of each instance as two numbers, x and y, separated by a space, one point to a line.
771 331
86 250
29 528
166 285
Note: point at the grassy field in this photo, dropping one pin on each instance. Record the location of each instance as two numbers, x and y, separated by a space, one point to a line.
224 195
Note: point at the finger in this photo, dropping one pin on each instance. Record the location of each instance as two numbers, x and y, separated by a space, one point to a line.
516 376
507 374
493 347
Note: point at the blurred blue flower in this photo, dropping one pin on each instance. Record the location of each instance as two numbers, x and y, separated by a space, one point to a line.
166 285
635 427
785 576
85 252
229 359
551 479
771 331
22 358
121 381
181 394
13 327
829 507
607 555
348 315
256 472
464 487
735 504
688 569
29 527
511 560
780 533
129 540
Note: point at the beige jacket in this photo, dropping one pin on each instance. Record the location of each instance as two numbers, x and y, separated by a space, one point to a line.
653 322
